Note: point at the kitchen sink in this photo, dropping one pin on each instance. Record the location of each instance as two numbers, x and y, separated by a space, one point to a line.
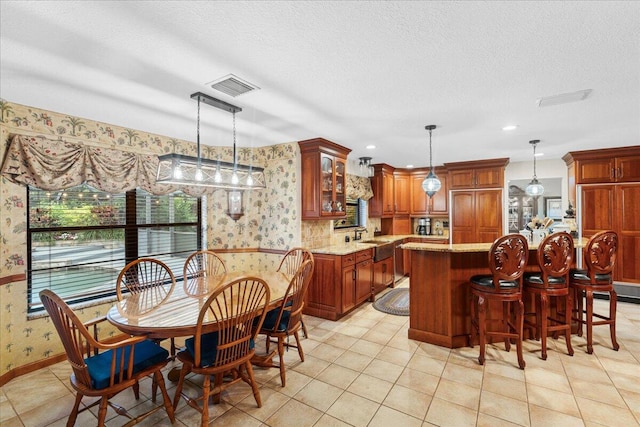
375 242
383 251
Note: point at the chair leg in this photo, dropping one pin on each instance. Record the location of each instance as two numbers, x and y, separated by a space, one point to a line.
613 303
102 412
136 390
544 314
304 329
206 389
281 355
300 352
589 297
74 412
159 380
482 327
183 373
579 301
506 316
474 322
520 327
254 385
538 305
567 319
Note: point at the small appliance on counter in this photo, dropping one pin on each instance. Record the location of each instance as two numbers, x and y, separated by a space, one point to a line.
424 227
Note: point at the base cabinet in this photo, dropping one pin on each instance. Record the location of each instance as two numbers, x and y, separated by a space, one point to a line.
383 275
339 284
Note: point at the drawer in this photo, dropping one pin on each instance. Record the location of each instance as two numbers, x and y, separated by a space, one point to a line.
364 255
348 260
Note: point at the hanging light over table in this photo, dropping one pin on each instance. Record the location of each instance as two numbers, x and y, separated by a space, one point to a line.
366 167
187 170
431 183
534 188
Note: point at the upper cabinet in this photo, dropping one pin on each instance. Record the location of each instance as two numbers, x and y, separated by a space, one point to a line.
324 175
477 174
421 204
382 204
401 192
602 166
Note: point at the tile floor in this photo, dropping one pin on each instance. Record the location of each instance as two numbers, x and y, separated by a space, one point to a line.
363 371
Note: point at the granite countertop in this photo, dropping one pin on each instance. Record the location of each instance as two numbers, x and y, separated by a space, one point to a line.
345 248
470 247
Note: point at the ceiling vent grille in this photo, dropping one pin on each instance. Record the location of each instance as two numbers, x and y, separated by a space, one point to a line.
232 85
563 98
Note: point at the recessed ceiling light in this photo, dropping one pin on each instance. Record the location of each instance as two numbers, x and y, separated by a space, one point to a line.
539 154
510 127
409 166
370 147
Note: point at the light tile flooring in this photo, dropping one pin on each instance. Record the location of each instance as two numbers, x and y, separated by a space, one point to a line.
364 371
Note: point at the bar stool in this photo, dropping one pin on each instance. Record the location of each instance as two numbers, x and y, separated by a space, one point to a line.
507 260
599 258
555 255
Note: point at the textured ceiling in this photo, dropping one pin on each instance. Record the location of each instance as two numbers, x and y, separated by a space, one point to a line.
356 73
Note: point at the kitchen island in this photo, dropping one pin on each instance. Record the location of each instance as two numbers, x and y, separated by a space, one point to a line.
439 294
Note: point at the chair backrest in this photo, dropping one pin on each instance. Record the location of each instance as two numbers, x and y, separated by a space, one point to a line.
600 253
507 260
293 259
199 265
555 256
76 339
293 302
233 308
149 282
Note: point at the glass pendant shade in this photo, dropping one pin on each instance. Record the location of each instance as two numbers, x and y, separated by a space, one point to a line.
534 188
431 184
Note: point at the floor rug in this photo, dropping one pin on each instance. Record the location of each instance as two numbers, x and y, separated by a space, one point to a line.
395 302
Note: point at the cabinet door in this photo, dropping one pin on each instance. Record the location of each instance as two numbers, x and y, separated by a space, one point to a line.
383 274
462 217
461 179
628 211
419 198
439 203
595 171
597 209
488 177
340 189
364 280
488 215
628 169
348 288
402 200
387 195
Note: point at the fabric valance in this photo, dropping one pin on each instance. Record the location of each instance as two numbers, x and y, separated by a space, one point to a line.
53 164
359 187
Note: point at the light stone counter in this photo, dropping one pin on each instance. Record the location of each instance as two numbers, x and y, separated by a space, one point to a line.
470 247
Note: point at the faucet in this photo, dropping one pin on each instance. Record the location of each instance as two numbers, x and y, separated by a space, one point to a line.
357 235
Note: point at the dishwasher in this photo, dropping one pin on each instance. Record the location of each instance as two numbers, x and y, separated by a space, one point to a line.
398 262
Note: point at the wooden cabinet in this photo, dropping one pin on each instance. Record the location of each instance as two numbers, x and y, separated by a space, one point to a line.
476 216
421 204
339 283
381 205
323 165
477 174
383 275
608 185
401 192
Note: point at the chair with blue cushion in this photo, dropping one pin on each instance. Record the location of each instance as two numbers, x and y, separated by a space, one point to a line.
290 264
600 259
286 320
555 256
199 265
224 342
102 369
507 260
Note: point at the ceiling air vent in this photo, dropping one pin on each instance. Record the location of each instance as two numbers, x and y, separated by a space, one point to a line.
232 85
563 98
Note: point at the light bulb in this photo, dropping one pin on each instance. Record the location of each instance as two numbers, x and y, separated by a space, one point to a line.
198 175
234 178
249 180
177 172
218 176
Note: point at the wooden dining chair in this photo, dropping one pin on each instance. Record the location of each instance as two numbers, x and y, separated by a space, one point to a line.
199 265
290 263
224 342
286 320
599 258
555 256
143 285
105 368
507 260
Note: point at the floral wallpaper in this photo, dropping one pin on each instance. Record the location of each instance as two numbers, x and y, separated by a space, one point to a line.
270 221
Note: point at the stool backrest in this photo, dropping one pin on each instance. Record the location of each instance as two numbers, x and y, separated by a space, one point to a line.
600 253
508 258
555 256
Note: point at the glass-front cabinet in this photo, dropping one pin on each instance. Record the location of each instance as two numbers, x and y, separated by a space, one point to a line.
521 209
323 179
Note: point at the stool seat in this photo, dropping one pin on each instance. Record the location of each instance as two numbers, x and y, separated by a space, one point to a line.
583 275
486 281
533 279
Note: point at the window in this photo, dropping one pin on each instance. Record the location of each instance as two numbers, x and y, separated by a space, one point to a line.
356 211
80 238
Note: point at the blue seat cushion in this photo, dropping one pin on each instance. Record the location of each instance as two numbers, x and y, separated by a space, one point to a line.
146 354
487 282
208 347
536 279
271 318
583 275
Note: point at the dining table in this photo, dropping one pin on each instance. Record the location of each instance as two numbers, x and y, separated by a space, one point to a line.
177 315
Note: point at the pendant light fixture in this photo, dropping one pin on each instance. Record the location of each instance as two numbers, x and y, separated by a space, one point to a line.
366 167
431 183
187 170
534 188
